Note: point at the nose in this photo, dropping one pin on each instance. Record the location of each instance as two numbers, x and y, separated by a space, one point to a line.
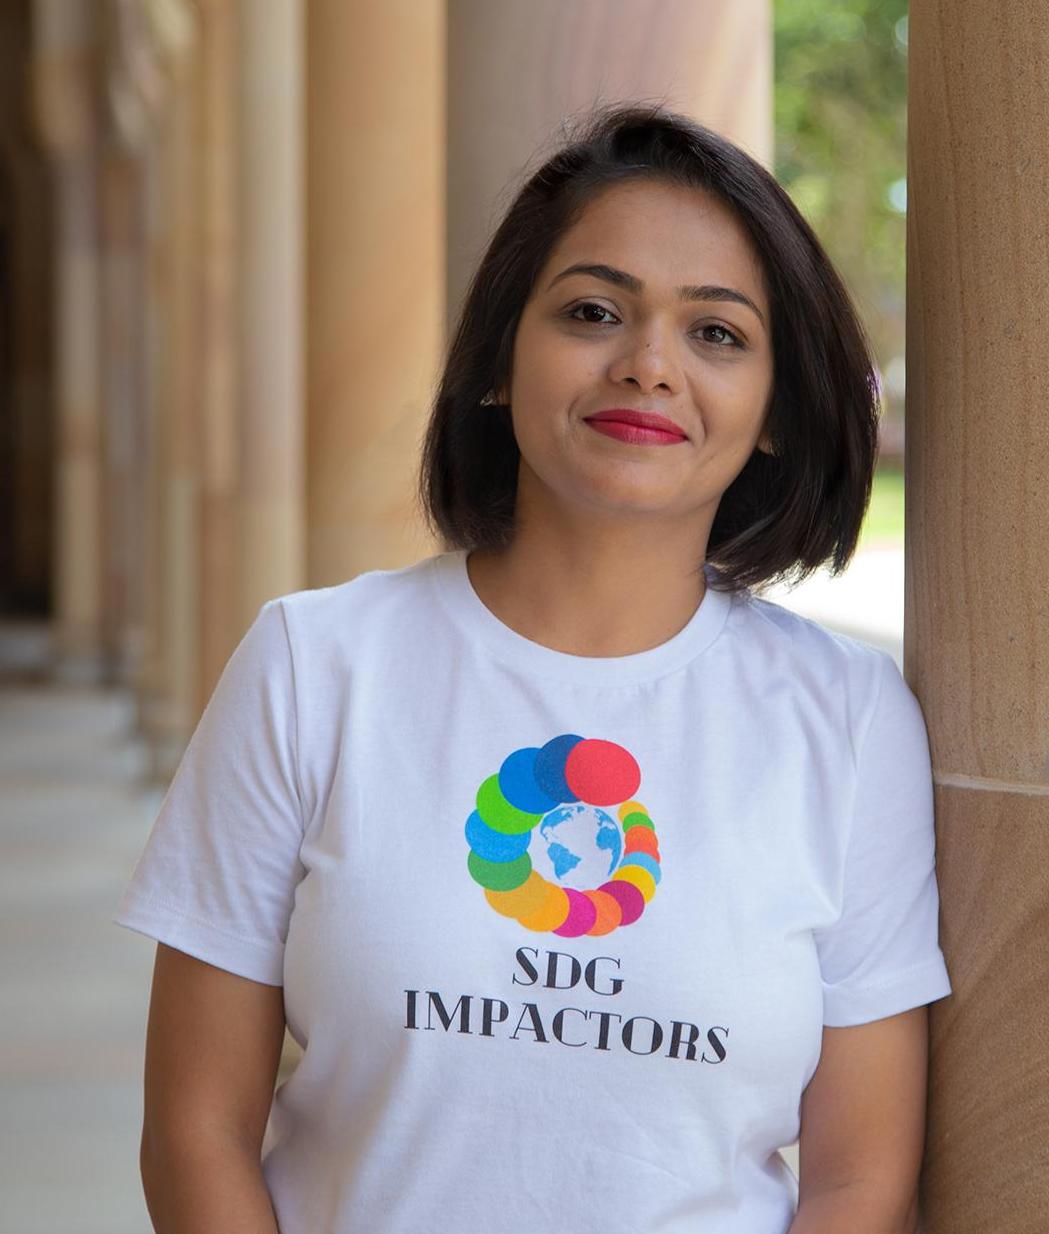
647 362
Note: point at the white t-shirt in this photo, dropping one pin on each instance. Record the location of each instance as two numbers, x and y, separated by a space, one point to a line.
558 934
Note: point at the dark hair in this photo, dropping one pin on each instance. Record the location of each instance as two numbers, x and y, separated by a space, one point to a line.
785 514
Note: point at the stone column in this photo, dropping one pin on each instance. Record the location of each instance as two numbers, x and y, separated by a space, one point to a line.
221 622
976 647
168 701
270 219
223 410
181 410
120 324
68 109
122 237
376 274
27 321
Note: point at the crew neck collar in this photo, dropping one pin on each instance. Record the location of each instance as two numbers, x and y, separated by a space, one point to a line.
449 574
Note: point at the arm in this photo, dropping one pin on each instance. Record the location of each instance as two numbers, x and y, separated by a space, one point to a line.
212 1050
863 1129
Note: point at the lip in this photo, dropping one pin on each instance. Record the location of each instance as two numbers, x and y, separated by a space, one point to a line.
653 426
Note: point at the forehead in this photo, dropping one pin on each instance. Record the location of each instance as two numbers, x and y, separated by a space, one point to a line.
667 234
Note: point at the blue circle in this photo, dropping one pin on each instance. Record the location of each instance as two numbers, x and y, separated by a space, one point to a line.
646 861
518 784
494 845
550 768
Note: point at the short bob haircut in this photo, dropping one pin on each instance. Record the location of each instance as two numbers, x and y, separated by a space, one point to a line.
785 514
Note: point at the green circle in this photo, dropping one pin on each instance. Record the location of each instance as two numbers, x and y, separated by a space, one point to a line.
498 813
637 819
499 875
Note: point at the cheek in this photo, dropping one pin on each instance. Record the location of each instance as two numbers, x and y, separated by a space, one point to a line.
737 401
551 359
551 386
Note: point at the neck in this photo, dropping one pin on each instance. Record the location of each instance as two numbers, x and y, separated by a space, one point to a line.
605 596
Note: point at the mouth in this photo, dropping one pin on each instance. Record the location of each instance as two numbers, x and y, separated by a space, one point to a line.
640 428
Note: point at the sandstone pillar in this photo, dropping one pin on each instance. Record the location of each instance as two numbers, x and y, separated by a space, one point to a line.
976 646
220 612
122 339
169 705
120 321
270 272
376 274
28 321
67 112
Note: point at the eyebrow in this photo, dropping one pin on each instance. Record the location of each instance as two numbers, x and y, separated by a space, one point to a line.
633 284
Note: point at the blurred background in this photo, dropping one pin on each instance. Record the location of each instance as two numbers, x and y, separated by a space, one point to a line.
233 238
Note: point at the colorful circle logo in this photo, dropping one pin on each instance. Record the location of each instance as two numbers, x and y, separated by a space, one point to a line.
556 792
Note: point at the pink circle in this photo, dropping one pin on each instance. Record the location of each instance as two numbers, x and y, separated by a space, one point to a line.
582 913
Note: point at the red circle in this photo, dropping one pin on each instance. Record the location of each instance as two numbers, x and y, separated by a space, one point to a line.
600 772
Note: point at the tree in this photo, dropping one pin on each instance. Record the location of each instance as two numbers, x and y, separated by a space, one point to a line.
841 153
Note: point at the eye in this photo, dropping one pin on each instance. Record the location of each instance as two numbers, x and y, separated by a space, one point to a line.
600 308
725 330
589 304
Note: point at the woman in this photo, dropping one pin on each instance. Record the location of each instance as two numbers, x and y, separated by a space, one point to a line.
585 877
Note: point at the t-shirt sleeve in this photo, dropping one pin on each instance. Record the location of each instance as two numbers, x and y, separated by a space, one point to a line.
882 955
217 876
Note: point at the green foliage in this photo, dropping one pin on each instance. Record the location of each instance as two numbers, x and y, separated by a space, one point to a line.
841 145
884 522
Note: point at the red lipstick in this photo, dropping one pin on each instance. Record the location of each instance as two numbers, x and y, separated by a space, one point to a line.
640 428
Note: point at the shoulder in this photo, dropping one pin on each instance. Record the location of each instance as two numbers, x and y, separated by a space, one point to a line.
823 671
813 650
344 613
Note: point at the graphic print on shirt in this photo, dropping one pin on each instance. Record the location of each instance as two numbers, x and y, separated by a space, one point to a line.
547 853
559 843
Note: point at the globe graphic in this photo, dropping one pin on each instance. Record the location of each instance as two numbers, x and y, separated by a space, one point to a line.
576 846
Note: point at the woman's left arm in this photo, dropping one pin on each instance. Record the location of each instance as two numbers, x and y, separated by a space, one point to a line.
863 1129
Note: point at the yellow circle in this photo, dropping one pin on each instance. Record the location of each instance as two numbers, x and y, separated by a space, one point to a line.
640 878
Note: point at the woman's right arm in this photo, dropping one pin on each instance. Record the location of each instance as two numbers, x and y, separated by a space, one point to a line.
213 1046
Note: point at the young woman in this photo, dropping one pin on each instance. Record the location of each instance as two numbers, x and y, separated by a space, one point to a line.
585 877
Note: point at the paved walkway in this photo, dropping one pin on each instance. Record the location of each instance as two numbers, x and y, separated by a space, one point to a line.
76 987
